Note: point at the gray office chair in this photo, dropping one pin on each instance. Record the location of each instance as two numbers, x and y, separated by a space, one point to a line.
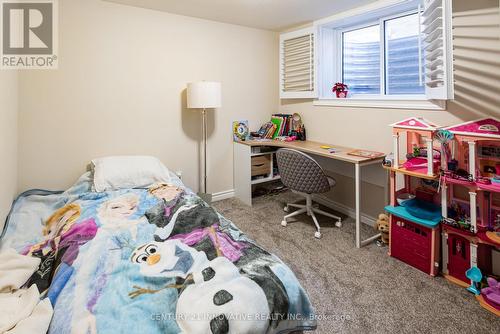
304 176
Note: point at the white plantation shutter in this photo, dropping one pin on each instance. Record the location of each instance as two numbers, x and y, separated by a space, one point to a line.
297 64
438 48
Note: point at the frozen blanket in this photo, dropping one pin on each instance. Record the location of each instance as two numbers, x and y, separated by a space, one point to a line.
157 260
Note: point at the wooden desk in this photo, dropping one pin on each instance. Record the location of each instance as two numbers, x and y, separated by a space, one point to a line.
242 170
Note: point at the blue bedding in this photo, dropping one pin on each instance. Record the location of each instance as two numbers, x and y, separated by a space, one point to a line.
157 260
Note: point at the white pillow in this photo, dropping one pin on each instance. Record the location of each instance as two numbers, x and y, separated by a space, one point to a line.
125 172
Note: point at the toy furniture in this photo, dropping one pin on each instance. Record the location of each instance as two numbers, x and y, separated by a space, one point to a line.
475 276
490 296
243 151
470 198
422 157
414 211
303 175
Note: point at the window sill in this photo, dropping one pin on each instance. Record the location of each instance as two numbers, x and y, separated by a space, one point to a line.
387 103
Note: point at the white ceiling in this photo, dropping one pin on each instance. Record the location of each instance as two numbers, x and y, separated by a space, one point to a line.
264 14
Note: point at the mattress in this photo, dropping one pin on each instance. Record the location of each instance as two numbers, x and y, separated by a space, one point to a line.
157 260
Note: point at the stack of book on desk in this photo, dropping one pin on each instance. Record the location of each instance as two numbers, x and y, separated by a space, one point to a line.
266 131
283 124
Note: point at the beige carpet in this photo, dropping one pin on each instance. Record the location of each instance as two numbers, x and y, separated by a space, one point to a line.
358 290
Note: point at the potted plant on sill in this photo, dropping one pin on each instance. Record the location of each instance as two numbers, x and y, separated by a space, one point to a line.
340 90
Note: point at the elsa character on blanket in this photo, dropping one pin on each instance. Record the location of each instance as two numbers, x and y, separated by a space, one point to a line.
116 213
116 220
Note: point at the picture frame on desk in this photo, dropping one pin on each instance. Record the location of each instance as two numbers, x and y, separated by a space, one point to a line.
241 130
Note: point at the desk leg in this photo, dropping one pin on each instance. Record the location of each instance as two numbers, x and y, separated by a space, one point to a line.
357 177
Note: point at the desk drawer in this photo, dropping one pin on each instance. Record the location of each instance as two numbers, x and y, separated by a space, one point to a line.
261 165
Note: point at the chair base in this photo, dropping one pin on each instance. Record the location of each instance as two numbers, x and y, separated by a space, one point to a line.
310 209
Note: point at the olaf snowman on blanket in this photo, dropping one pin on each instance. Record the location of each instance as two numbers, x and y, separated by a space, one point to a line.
219 299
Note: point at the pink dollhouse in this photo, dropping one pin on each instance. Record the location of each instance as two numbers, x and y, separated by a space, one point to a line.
470 196
414 211
451 186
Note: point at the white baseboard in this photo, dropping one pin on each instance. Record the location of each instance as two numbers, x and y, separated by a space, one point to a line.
222 195
350 212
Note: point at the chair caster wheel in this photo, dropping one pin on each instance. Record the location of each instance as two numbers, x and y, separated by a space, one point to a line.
317 235
338 224
283 223
286 208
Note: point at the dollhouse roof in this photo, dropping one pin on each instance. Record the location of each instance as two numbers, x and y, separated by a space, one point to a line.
416 123
486 127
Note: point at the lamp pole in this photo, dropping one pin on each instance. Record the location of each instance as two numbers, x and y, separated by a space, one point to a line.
205 137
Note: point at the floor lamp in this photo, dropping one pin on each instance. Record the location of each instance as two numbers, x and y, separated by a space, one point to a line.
204 95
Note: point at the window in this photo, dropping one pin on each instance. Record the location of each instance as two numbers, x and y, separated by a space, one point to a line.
403 56
361 60
398 53
383 59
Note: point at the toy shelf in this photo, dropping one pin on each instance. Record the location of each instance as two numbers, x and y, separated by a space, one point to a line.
404 171
464 233
483 238
489 158
464 183
489 187
473 185
401 211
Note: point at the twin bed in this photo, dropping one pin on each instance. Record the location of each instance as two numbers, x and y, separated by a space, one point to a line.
155 259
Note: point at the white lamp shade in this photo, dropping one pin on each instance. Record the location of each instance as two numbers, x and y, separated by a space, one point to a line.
204 94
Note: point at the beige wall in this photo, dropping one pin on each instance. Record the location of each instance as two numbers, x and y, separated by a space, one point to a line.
119 90
466 5
477 94
8 141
